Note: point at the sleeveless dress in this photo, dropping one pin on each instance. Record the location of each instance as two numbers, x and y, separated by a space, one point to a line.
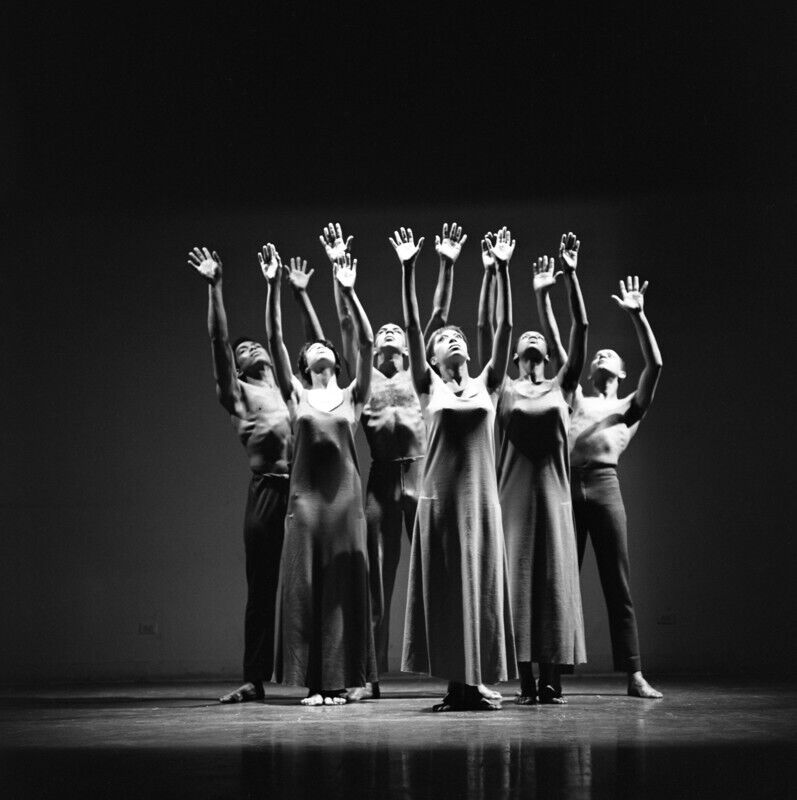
534 488
324 636
458 622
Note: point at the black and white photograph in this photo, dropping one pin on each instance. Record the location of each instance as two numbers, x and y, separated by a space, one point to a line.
397 401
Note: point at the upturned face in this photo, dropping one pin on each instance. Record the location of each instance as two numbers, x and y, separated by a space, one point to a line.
251 356
390 338
607 361
450 347
319 357
532 346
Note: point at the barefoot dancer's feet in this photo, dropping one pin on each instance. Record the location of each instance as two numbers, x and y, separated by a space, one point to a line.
247 693
313 699
639 687
490 694
368 692
463 697
549 695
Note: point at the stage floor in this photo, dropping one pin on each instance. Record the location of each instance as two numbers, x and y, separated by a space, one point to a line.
706 738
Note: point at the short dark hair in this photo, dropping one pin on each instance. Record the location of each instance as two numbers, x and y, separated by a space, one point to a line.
301 361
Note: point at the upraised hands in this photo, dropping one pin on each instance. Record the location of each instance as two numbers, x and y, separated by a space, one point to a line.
487 257
633 298
346 272
503 247
270 262
544 275
450 246
207 264
298 275
332 241
568 252
404 245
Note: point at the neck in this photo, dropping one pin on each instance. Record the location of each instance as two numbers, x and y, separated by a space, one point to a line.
389 363
262 376
456 373
607 387
324 379
533 371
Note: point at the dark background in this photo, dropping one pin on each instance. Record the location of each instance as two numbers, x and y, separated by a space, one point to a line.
661 135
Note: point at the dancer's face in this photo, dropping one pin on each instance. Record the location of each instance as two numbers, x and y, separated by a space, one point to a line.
251 357
607 361
390 338
450 347
532 346
319 357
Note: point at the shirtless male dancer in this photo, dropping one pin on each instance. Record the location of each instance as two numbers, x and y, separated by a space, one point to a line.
246 389
396 435
601 428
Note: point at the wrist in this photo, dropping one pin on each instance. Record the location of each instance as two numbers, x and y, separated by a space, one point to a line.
502 266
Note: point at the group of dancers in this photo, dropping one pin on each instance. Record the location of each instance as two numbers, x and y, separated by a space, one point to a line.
498 481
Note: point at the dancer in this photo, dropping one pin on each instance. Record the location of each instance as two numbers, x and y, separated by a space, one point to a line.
324 636
458 622
396 434
600 430
245 388
534 488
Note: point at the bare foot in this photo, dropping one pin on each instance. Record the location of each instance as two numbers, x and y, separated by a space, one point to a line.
490 694
247 693
313 700
334 701
639 687
525 699
548 695
367 692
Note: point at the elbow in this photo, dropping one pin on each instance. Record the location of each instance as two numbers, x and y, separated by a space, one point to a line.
367 340
504 326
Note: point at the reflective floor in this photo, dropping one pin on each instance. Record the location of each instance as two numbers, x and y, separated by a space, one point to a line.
705 739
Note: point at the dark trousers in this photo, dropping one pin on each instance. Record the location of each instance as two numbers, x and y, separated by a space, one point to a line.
264 530
390 504
600 515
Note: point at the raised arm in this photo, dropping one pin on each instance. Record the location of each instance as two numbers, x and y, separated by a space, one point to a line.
345 276
448 249
271 265
299 277
407 252
502 252
544 279
633 301
485 321
336 248
209 267
570 371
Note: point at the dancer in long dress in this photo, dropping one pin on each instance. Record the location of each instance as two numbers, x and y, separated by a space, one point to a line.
601 428
324 635
395 431
458 622
534 488
246 389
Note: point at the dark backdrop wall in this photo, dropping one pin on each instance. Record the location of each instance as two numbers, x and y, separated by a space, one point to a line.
661 138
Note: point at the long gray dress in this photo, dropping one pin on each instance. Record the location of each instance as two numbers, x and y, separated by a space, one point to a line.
324 635
459 623
534 487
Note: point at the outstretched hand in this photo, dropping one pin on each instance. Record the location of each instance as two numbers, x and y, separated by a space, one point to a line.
332 241
544 275
404 245
270 262
346 272
633 298
450 245
207 264
568 252
298 275
503 247
487 257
